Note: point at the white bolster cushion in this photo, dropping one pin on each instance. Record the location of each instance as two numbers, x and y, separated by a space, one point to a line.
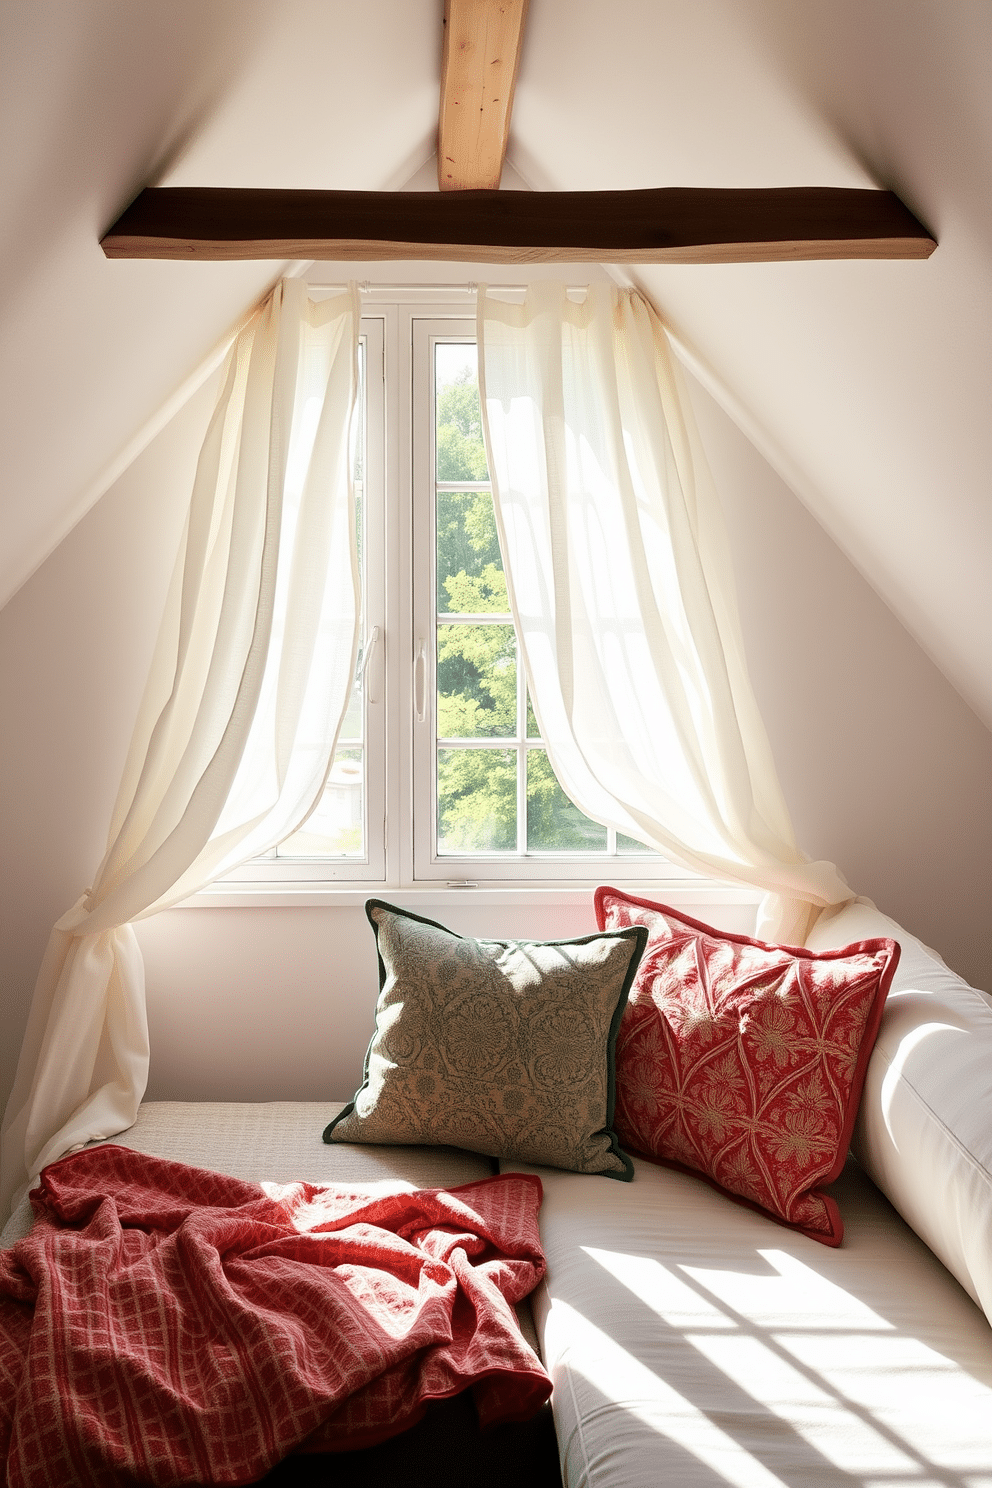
924 1130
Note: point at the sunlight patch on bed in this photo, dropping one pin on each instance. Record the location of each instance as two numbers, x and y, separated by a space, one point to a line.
657 1287
867 1397
834 1430
307 1215
634 1390
939 1410
792 1296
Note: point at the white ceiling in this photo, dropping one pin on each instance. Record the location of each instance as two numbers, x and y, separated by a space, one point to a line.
867 384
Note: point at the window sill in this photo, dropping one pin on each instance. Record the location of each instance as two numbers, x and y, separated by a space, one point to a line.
680 893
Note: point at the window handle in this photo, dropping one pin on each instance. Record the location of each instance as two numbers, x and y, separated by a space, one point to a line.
420 682
370 644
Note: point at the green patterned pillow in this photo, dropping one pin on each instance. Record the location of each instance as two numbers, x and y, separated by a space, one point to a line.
501 1046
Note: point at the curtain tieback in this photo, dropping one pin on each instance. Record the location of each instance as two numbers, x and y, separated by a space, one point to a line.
77 915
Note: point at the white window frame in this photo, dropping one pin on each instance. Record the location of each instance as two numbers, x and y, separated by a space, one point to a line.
400 804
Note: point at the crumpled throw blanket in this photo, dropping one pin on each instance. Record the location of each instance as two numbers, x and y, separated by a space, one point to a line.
163 1324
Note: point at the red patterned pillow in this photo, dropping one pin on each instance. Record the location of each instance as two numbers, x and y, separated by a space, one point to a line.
744 1062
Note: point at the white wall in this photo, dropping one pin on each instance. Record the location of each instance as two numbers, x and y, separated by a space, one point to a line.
886 770
75 645
279 1003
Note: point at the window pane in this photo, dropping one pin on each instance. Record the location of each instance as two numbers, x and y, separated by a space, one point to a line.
476 682
461 453
469 565
533 732
553 823
631 845
360 532
351 726
476 800
335 829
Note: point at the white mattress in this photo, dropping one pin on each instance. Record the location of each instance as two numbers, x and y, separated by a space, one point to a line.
694 1343
279 1142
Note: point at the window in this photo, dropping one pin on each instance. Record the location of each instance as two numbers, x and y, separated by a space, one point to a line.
440 774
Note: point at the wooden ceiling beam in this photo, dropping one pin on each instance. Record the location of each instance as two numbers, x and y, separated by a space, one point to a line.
482 41
668 225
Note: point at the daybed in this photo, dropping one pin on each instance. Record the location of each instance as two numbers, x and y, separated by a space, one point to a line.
695 1342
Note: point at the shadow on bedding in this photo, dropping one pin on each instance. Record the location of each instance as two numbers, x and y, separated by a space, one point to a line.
446 1449
708 1361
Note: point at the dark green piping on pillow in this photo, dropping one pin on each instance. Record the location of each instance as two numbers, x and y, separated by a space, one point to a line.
371 904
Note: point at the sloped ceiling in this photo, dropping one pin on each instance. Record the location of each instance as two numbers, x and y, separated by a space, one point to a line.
867 384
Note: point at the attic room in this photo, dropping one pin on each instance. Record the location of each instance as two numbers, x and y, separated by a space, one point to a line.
841 408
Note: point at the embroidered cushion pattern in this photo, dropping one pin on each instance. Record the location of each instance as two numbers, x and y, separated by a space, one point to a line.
501 1047
744 1062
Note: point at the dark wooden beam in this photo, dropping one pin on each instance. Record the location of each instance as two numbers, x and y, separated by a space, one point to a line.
482 41
669 225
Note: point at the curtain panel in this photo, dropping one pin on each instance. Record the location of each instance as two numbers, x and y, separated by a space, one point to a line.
249 683
622 592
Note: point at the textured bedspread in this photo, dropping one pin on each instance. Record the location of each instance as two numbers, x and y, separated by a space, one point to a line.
164 1324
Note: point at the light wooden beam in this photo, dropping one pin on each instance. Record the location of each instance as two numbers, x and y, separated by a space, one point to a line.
482 40
669 225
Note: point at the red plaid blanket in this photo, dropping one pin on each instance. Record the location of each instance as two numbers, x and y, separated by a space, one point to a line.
166 1325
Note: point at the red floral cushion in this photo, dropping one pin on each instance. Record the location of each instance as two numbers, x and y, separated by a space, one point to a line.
744 1062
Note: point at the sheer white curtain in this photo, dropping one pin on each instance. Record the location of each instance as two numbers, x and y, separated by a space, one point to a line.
249 683
621 589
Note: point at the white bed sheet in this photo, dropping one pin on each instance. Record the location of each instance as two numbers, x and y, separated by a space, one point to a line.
696 1343
278 1142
